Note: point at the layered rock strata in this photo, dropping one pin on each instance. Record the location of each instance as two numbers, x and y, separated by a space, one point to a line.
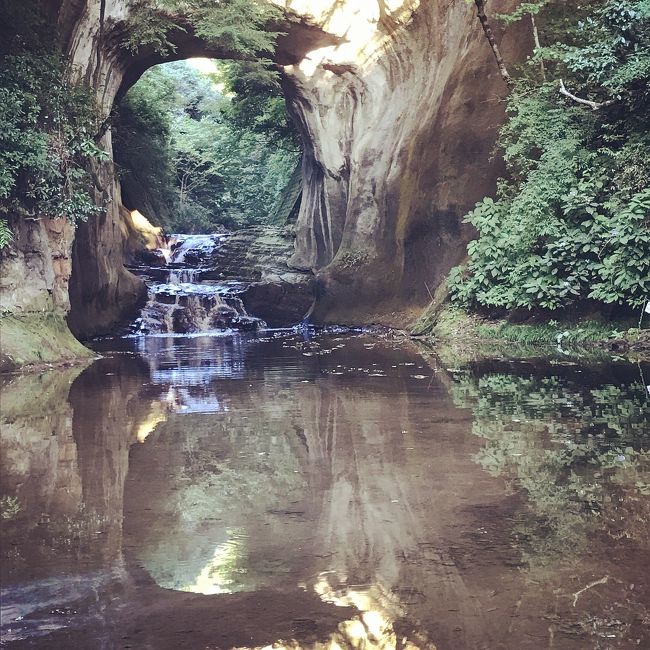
259 256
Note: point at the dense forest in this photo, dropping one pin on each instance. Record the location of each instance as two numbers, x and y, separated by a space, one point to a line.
571 220
205 148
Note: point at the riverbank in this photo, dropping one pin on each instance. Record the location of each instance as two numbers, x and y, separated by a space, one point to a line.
468 335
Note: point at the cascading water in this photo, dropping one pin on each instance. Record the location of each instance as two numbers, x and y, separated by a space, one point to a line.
179 302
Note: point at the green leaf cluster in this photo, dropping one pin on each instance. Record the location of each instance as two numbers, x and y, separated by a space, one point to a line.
204 156
241 27
571 221
47 129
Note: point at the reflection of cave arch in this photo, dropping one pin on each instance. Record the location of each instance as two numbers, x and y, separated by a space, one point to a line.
348 505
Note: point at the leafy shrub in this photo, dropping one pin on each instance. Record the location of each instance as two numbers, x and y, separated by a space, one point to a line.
241 26
572 220
5 233
46 139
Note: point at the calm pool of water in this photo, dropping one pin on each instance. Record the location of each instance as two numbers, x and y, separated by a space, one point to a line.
337 491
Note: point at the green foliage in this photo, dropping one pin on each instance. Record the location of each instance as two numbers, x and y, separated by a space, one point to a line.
149 27
46 139
26 26
572 220
47 126
257 102
142 144
523 9
240 27
203 157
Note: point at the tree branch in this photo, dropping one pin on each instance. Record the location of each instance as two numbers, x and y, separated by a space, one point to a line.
480 6
586 102
538 46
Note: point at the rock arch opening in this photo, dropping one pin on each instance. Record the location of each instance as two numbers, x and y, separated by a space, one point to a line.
397 129
205 195
208 162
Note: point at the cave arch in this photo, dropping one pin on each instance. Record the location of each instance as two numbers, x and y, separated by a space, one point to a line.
102 292
398 125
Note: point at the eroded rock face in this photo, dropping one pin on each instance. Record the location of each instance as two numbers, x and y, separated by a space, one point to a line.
35 267
278 294
35 272
399 123
398 103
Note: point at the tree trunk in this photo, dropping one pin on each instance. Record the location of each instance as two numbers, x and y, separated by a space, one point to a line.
538 46
480 6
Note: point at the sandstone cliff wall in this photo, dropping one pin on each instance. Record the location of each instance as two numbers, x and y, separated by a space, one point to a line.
34 300
398 102
399 123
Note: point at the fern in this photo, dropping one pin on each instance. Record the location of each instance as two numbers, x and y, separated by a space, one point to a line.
5 234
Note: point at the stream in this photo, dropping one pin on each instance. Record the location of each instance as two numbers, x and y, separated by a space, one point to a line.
234 487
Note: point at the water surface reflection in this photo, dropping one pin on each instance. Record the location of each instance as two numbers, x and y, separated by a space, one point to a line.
220 492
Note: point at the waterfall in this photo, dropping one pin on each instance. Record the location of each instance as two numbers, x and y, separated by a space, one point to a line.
181 303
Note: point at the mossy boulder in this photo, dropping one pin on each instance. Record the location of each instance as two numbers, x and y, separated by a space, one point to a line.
34 338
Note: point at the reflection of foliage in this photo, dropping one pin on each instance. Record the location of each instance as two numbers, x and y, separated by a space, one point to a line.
265 466
75 532
231 472
581 455
9 507
42 539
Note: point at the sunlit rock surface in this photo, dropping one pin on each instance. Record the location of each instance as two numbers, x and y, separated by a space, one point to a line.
399 123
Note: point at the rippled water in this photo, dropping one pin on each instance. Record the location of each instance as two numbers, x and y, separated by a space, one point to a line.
332 491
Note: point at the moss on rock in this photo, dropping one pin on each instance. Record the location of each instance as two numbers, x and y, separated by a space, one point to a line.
34 338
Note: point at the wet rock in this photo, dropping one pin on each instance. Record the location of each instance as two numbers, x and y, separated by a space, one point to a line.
246 323
260 255
182 322
236 304
252 254
192 251
151 258
280 303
